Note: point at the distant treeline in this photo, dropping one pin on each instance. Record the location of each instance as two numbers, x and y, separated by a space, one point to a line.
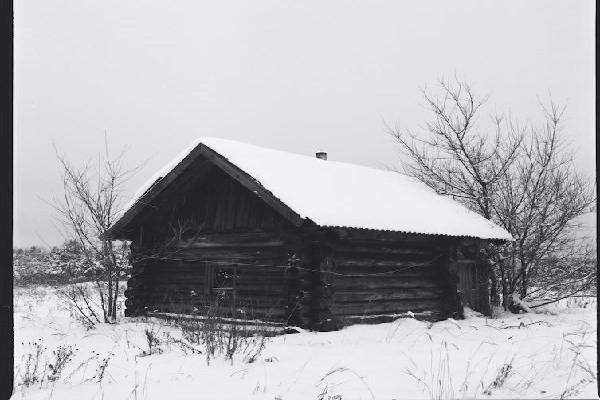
67 263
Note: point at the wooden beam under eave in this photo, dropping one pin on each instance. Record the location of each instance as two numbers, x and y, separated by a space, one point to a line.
253 185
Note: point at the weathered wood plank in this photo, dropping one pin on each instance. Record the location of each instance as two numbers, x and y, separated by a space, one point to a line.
379 249
388 270
387 294
375 285
381 307
377 319
342 262
227 240
223 254
371 237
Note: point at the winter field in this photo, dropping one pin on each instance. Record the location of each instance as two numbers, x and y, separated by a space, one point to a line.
548 354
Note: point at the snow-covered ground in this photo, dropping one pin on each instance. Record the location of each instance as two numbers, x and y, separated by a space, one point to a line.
541 355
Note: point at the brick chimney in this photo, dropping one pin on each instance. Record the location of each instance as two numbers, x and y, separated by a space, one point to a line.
321 155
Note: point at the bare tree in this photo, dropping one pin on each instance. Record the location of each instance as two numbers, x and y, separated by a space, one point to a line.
519 177
568 273
539 199
89 205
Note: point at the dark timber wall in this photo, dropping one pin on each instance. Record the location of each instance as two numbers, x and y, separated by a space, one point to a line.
241 270
368 277
377 279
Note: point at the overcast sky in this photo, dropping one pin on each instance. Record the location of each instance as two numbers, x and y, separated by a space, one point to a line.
297 76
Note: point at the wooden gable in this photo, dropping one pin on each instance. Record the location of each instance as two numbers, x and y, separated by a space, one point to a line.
198 165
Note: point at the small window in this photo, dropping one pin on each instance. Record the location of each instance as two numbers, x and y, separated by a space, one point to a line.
221 284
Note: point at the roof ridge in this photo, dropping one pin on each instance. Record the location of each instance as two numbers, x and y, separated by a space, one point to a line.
330 193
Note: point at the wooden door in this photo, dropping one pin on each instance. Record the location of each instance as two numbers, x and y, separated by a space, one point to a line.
468 284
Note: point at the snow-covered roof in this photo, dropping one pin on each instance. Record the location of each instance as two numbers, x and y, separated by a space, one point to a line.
338 194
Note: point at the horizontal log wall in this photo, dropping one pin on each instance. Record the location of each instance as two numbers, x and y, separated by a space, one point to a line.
176 279
375 281
321 286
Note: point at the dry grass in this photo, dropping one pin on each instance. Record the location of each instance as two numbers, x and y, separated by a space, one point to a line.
215 338
38 367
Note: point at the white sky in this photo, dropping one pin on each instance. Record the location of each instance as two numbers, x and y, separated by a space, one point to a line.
297 76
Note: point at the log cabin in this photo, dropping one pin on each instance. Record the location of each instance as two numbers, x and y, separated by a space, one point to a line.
300 241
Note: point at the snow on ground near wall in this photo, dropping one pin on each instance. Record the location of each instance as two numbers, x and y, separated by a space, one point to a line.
515 356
